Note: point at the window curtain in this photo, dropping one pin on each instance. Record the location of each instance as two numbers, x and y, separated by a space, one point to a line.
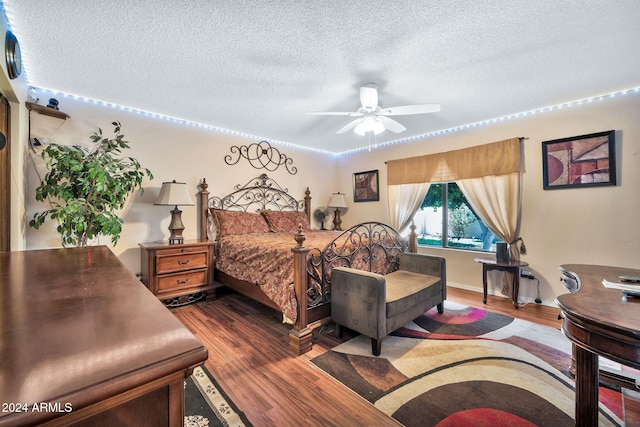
488 175
497 158
404 201
496 199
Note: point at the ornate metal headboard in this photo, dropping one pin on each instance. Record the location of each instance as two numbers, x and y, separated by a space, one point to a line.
257 194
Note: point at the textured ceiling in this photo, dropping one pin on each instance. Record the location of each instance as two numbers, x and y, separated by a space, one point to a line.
256 67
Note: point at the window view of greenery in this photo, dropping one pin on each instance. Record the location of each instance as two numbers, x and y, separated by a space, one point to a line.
446 219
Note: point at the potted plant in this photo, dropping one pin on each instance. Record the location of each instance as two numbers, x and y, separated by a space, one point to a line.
87 186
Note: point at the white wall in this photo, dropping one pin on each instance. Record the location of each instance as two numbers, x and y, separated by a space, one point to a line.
586 225
171 151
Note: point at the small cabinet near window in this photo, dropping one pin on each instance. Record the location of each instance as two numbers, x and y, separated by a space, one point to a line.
178 274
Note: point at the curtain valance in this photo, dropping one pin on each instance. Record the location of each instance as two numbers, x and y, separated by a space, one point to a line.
496 158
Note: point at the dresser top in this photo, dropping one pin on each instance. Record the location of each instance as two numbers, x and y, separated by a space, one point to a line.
165 244
75 319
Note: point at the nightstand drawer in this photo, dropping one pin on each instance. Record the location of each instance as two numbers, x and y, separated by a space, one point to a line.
168 263
189 279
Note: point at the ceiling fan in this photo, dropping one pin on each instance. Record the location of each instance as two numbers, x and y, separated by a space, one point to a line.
373 118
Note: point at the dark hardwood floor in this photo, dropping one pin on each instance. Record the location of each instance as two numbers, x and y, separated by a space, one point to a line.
248 355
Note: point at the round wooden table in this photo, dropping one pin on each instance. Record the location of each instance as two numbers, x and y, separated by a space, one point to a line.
598 322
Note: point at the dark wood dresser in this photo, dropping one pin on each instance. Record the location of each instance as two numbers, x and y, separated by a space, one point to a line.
83 342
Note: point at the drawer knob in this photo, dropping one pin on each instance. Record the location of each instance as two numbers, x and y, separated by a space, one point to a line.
185 262
182 282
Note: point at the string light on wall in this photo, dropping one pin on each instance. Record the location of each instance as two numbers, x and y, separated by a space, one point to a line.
598 98
175 120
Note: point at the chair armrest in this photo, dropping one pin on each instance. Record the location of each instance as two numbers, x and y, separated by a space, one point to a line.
358 300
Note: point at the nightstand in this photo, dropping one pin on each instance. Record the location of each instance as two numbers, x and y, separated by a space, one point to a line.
178 274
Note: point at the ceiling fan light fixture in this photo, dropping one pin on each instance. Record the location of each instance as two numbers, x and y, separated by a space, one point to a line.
362 128
369 124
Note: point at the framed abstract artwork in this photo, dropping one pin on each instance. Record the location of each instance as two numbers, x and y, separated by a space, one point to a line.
579 161
365 186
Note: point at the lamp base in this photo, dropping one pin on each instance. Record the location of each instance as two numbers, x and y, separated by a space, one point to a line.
176 227
176 240
337 221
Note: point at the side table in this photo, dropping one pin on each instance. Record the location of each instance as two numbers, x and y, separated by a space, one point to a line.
178 274
511 266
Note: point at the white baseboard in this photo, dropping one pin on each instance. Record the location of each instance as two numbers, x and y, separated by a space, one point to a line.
522 300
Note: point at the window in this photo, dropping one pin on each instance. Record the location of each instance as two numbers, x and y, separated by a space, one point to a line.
446 219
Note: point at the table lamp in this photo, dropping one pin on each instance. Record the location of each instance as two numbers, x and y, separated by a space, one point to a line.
337 201
174 194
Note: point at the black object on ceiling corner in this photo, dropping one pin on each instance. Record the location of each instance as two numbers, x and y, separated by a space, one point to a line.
12 55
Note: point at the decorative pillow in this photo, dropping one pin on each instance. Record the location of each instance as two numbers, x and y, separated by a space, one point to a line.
239 222
286 220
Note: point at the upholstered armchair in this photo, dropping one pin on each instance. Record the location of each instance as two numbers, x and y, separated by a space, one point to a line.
375 305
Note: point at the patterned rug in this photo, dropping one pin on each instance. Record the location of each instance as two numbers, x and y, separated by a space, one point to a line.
467 367
206 405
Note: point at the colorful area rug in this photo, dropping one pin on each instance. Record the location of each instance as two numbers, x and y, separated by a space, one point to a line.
467 367
206 405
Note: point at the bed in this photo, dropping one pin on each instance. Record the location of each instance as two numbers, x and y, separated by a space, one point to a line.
267 250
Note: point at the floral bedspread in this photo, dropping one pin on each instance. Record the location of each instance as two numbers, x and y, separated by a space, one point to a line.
266 259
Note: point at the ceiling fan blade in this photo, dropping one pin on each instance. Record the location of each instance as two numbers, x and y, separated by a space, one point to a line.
406 110
391 124
349 126
334 113
369 96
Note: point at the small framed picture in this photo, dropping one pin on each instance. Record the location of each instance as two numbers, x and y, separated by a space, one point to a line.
365 186
579 161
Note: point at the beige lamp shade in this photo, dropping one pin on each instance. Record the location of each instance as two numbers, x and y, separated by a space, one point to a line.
337 200
174 194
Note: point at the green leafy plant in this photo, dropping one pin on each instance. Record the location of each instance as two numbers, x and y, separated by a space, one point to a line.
459 219
86 186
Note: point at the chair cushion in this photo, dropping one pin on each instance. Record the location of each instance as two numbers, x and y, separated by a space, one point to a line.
406 290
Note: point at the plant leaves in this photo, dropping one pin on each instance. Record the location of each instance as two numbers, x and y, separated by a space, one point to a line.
86 187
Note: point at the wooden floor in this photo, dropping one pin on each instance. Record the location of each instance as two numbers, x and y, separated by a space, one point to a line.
248 355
